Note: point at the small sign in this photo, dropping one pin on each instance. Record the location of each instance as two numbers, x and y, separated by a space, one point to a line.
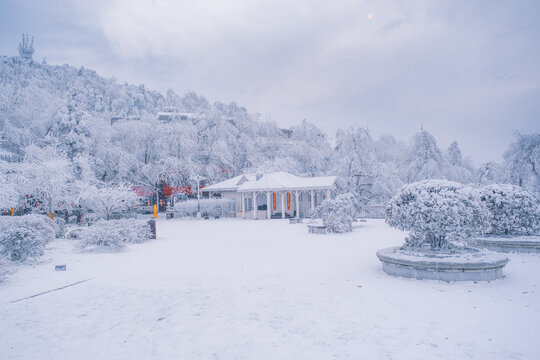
60 268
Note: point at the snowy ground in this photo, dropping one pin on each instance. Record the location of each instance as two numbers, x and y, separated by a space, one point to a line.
233 289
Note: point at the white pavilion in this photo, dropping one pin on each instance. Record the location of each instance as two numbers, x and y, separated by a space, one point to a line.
275 195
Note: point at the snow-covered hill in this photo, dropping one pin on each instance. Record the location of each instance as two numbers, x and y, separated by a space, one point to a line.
109 133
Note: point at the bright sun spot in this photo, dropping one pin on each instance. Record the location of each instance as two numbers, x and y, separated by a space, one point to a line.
370 16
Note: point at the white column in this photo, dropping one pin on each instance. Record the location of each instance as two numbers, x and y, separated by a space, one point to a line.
297 198
243 205
255 217
283 205
328 194
268 206
312 200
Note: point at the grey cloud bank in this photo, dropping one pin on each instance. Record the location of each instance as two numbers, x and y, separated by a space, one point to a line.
465 71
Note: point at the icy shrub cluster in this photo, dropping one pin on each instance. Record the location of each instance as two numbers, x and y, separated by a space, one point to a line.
514 211
337 214
22 237
113 235
440 213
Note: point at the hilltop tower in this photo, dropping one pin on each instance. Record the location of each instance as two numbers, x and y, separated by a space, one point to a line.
26 49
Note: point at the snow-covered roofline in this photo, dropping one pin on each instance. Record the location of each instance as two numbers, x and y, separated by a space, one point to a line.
230 184
278 181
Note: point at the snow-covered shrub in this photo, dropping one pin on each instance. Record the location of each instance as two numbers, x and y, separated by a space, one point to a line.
74 233
3 268
514 211
60 227
22 237
437 212
41 223
113 234
209 207
337 214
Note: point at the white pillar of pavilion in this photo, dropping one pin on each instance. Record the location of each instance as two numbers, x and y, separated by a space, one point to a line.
255 210
312 200
328 194
268 208
243 198
297 199
282 205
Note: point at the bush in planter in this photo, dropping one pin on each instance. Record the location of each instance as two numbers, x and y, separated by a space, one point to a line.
337 214
440 213
22 237
514 211
113 235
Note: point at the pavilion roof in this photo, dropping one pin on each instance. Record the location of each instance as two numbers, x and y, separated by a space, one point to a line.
281 181
230 184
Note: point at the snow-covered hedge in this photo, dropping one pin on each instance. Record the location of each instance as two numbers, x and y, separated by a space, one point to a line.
337 214
209 207
514 211
22 237
114 234
437 212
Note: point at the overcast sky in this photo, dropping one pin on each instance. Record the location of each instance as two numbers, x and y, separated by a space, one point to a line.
464 70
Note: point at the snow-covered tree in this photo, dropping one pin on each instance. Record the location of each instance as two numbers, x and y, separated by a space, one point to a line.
456 169
425 158
337 214
44 176
522 161
436 212
108 199
389 169
454 154
73 125
514 211
490 173
8 195
354 163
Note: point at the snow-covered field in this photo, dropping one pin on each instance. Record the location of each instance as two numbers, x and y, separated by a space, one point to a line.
233 289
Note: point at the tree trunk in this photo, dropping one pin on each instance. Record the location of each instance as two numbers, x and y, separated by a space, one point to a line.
80 215
50 208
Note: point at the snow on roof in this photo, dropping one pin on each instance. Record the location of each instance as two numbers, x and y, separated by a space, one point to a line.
284 181
277 181
231 184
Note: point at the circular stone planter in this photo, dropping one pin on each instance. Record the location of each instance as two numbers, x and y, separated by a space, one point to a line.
522 244
472 265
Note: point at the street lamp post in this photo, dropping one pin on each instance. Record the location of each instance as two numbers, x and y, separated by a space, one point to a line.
198 179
